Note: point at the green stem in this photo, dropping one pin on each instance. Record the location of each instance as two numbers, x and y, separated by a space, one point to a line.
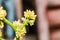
9 23
25 23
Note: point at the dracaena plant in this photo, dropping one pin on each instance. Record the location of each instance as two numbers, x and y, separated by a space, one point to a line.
17 26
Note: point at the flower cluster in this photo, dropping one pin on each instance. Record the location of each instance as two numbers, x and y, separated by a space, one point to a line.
1 24
16 23
17 26
19 32
2 13
31 16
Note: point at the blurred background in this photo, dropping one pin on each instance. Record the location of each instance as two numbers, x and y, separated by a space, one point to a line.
48 17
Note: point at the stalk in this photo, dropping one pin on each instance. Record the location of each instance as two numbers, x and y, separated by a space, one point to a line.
9 23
